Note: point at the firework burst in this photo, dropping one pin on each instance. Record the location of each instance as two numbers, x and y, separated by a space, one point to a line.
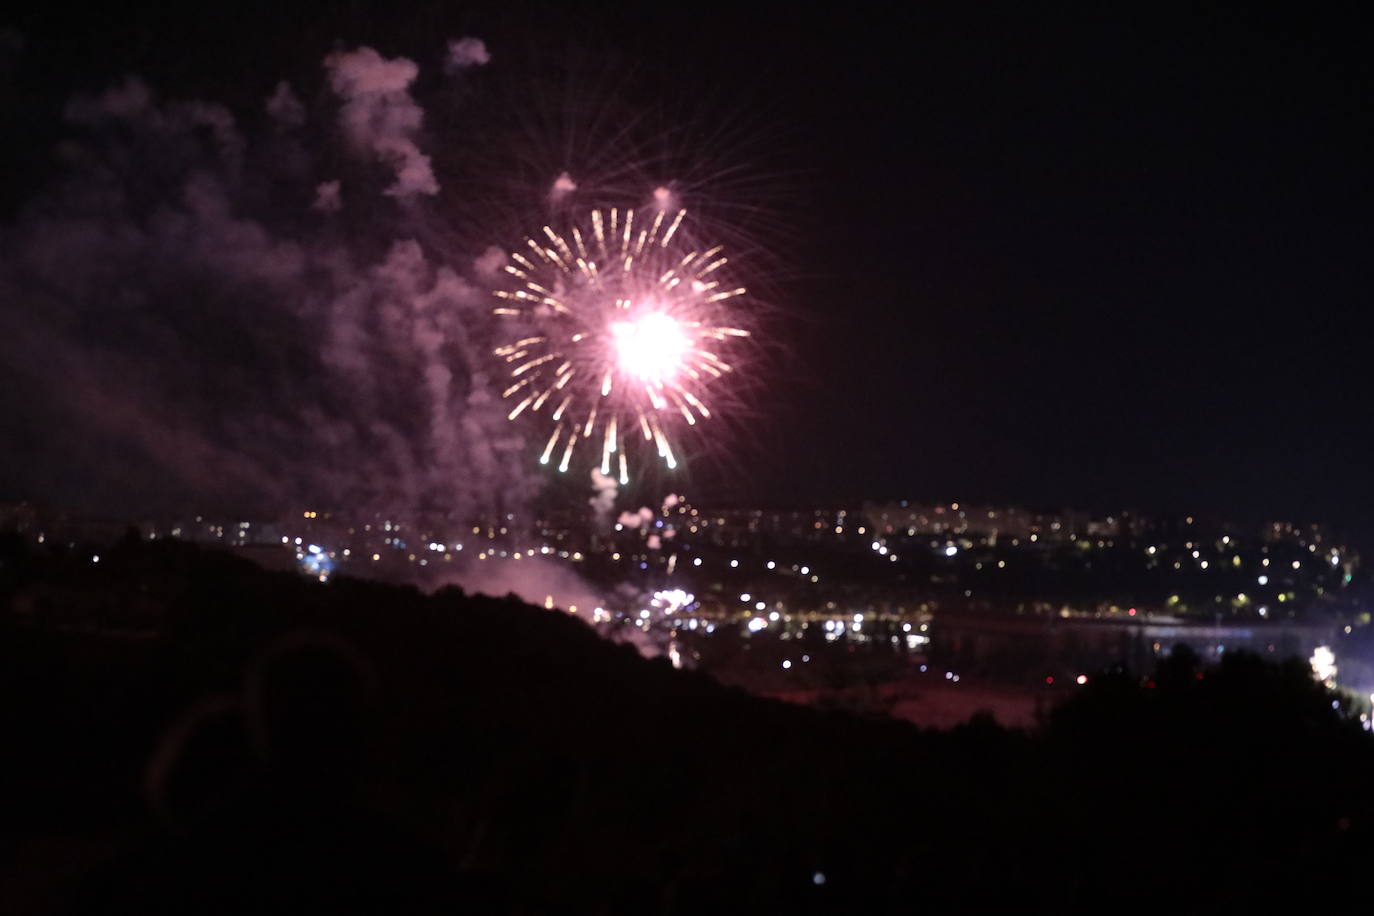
625 328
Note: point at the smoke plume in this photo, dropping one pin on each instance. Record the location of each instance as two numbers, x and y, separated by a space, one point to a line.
379 116
248 312
466 53
604 489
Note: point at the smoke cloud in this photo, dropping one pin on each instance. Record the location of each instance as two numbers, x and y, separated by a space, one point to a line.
189 317
466 53
284 108
489 263
604 489
533 580
328 197
380 117
548 584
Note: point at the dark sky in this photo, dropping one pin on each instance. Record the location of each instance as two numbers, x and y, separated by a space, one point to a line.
1102 260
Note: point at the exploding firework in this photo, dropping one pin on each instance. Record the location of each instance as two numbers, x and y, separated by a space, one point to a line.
625 331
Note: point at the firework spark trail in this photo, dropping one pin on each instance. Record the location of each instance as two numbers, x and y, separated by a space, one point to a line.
632 320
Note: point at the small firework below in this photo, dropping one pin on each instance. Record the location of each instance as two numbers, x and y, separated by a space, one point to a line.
625 328
315 561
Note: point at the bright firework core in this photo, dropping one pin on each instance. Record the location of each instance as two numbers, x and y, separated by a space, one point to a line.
650 347
624 329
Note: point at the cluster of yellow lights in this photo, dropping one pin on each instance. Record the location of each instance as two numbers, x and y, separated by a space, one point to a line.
623 332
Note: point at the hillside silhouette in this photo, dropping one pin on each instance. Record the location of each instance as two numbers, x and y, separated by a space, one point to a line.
187 732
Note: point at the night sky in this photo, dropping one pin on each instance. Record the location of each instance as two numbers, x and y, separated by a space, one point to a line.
1104 260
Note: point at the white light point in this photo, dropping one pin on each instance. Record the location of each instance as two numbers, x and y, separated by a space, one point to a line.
1323 663
651 347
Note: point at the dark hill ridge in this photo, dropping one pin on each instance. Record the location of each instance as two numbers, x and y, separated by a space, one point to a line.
188 731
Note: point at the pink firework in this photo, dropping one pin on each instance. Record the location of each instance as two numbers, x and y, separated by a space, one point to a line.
625 329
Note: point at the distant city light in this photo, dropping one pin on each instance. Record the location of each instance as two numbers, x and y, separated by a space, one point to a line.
1323 662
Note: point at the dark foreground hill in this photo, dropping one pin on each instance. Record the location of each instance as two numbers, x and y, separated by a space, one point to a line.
184 732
